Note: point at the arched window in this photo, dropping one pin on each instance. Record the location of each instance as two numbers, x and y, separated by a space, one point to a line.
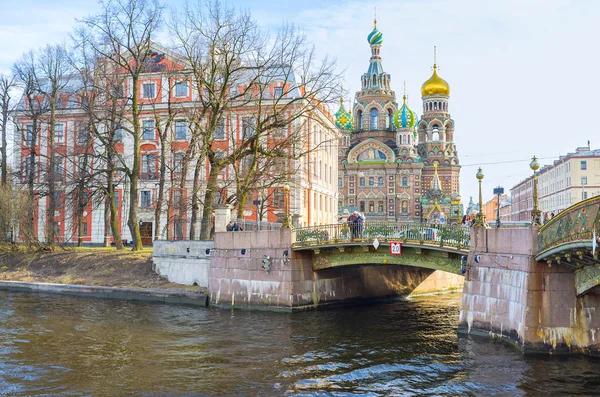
400 139
373 119
390 119
408 136
435 133
404 181
359 119
435 106
374 80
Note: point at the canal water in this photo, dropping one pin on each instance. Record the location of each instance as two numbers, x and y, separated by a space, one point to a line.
65 346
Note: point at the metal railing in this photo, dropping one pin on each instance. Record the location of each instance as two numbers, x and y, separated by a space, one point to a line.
575 224
441 235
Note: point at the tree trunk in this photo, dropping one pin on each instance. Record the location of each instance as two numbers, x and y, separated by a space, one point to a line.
50 222
4 131
209 199
161 182
107 221
195 200
114 220
132 220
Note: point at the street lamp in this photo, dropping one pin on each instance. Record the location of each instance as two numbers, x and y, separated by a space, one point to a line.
498 190
480 219
286 198
536 214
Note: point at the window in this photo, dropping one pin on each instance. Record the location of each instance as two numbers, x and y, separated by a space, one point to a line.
181 88
181 130
277 92
59 167
583 165
278 198
361 182
178 163
220 129
149 90
404 181
118 137
373 119
116 199
29 134
148 166
584 180
584 195
117 92
340 182
84 228
82 164
177 198
148 132
380 206
82 134
59 134
371 181
248 127
362 206
380 181
146 201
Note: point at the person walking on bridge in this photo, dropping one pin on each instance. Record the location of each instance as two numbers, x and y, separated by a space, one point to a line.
352 224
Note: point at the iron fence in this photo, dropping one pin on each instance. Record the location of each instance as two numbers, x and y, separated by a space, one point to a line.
442 235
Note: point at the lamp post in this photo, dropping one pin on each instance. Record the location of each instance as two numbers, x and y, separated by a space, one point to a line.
536 214
480 219
498 191
286 198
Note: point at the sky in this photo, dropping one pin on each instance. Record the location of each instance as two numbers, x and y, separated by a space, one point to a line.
521 72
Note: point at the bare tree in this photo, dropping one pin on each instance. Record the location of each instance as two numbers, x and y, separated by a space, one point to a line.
45 75
7 85
234 65
122 35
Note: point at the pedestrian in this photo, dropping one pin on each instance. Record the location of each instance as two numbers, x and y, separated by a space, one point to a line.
546 218
359 225
229 226
236 227
351 223
551 215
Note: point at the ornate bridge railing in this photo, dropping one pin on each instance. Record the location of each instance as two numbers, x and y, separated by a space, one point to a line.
441 235
573 225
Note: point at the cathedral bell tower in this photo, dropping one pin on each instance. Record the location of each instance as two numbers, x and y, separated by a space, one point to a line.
436 145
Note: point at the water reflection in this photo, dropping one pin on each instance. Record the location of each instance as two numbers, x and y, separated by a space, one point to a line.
67 346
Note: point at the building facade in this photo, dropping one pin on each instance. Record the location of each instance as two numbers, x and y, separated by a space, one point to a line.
166 92
392 165
570 179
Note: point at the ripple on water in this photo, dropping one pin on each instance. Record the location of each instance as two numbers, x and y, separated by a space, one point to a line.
63 346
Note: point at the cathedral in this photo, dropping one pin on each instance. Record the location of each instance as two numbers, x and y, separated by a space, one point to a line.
394 166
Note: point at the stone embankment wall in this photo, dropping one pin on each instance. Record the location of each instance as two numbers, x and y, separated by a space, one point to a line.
183 262
510 295
237 278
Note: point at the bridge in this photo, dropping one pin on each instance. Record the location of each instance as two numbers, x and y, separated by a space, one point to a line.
436 247
568 240
536 287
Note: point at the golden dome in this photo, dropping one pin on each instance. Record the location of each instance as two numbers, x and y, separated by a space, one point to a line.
435 85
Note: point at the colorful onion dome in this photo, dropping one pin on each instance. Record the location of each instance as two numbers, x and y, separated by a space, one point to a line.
343 119
375 37
404 117
435 85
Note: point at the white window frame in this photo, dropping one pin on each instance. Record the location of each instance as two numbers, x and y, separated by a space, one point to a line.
181 84
153 89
